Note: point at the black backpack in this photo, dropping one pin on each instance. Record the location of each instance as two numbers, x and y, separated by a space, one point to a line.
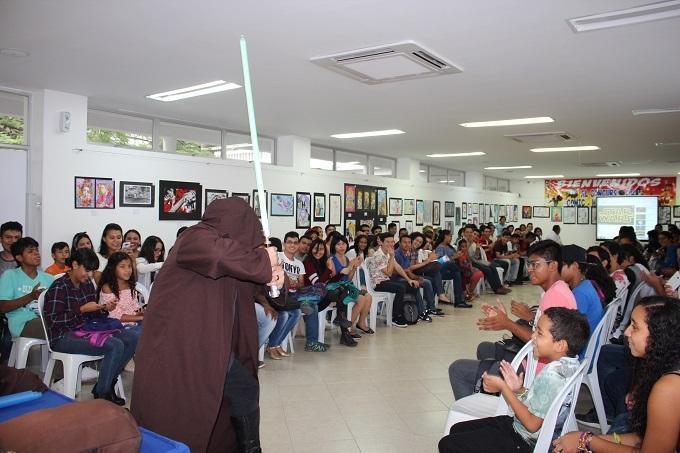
410 309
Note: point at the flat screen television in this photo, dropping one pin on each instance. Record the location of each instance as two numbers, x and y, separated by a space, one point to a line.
641 213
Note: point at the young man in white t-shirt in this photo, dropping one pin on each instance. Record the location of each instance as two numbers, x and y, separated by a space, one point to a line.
295 277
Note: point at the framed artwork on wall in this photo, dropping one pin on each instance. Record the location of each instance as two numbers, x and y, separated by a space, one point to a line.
449 209
360 201
409 206
556 214
676 211
542 212
282 205
396 207
179 200
664 215
409 226
436 212
303 209
334 209
136 194
465 211
243 196
319 207
420 212
583 215
448 225
569 214
256 201
458 218
350 198
382 202
214 194
526 212
593 215
350 228
94 193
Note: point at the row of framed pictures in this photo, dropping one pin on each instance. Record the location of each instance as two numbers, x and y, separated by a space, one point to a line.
582 215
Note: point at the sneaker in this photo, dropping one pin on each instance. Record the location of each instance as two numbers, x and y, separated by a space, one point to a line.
425 317
502 290
89 374
399 323
463 305
347 340
260 364
436 312
315 347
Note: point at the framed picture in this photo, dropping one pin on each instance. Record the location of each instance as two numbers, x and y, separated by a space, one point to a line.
593 215
515 213
360 201
94 193
214 194
427 212
334 209
256 201
243 196
136 194
583 215
319 207
556 214
436 212
420 212
396 206
350 229
283 205
448 225
526 212
458 218
372 204
542 212
664 215
179 200
409 226
569 214
382 202
502 211
350 199
676 211
303 208
409 206
465 211
475 208
449 209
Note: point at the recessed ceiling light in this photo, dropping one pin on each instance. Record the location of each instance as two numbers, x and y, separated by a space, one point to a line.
558 149
369 133
618 174
18 53
195 90
635 15
473 153
655 111
507 168
515 122
544 177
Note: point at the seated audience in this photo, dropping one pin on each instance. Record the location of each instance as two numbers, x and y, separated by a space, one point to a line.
500 253
60 252
81 240
376 230
20 288
150 260
470 275
111 242
68 303
560 334
403 258
117 285
481 263
360 248
10 232
539 234
303 247
133 240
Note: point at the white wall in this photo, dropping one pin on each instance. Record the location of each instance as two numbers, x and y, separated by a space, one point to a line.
66 155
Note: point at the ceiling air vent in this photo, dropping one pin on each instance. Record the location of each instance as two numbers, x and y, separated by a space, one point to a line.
541 137
616 163
390 63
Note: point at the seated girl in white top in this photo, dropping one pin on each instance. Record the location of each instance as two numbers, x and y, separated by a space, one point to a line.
150 260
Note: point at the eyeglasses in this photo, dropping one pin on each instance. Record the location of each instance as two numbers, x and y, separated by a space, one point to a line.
536 264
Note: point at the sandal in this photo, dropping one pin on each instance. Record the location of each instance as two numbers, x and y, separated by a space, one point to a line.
368 331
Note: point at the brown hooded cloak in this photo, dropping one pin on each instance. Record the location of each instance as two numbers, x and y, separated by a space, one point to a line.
200 312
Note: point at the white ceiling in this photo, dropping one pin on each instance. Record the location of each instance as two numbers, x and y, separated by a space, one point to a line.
519 60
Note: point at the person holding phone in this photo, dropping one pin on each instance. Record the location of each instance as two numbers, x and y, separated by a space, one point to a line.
20 288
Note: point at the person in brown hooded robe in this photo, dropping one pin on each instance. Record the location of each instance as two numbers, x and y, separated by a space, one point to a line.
196 362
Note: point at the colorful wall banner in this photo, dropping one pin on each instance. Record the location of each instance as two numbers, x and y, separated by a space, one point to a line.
583 192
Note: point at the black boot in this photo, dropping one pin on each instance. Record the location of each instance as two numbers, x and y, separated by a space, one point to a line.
247 429
346 338
341 319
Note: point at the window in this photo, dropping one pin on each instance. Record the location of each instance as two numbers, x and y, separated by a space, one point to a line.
194 141
456 178
423 172
119 130
321 158
351 162
381 166
503 185
13 117
490 183
239 147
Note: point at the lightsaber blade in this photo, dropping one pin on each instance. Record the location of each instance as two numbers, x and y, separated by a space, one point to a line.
257 158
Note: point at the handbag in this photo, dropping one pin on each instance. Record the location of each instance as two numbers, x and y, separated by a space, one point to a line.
102 324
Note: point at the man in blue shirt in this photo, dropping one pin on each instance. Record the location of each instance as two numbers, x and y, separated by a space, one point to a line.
574 265
500 226
403 256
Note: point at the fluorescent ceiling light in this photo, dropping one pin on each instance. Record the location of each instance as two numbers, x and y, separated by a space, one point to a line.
635 15
446 181
369 133
655 111
515 122
507 168
618 174
195 90
544 177
558 149
473 153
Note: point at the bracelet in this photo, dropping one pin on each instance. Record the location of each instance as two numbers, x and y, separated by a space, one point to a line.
584 440
617 438
522 393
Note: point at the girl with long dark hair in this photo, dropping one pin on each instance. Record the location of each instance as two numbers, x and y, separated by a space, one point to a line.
111 242
150 260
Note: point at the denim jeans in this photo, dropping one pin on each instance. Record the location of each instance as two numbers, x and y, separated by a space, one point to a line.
117 351
614 376
416 292
312 325
451 271
490 274
284 324
428 290
265 325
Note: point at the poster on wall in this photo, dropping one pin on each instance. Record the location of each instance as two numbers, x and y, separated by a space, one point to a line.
303 208
179 200
475 208
282 205
396 207
526 212
556 214
465 213
449 209
583 192
136 194
319 207
420 212
436 212
214 194
409 206
569 214
458 219
382 202
664 215
350 198
334 209
106 193
83 191
256 201
582 215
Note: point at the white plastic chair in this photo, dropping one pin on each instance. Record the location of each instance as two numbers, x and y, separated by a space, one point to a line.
641 290
373 312
72 363
141 289
386 298
481 405
323 324
21 346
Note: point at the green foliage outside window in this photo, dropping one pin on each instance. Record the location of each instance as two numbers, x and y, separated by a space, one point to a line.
119 139
12 130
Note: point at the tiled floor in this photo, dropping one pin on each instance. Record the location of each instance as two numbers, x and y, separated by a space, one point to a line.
389 394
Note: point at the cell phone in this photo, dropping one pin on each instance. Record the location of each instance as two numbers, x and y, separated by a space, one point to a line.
126 245
674 281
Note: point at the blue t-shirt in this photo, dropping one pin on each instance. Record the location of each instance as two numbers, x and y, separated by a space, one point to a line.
588 303
401 258
14 283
